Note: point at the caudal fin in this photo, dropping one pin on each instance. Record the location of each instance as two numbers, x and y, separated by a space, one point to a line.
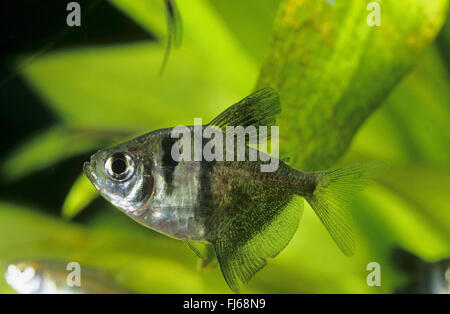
333 192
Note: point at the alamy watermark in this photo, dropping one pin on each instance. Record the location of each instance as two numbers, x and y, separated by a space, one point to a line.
374 277
225 146
374 17
73 279
74 17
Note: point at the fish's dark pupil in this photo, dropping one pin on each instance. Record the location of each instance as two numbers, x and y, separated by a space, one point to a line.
119 166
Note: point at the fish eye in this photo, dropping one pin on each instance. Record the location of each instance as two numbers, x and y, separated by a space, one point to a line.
119 167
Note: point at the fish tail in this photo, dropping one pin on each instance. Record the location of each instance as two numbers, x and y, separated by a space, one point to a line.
333 192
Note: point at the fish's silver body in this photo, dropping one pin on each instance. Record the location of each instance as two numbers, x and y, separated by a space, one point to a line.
176 212
162 194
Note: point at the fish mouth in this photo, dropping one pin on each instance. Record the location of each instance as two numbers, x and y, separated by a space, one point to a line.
87 168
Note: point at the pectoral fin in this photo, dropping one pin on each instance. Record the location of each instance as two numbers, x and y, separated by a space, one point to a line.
205 251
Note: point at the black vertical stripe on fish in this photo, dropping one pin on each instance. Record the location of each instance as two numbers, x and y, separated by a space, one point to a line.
168 163
204 195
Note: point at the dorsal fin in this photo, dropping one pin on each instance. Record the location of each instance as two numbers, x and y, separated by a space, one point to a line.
258 109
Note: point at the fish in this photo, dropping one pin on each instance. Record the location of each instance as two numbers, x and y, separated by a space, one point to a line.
246 215
50 277
422 276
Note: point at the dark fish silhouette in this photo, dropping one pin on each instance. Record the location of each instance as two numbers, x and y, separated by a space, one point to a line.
423 277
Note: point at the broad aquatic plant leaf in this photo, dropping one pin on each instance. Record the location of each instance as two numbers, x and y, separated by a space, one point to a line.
332 69
118 87
81 194
54 145
443 42
253 33
43 150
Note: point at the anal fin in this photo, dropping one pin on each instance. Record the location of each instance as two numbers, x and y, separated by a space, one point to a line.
239 261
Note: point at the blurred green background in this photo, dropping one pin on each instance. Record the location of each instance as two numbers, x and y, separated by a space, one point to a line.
349 93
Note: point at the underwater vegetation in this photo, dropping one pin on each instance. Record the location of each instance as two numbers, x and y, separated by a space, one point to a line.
349 92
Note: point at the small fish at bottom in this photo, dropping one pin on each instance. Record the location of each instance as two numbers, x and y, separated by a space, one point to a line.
50 277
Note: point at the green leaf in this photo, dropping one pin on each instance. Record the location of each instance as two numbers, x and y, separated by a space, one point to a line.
333 70
444 42
253 33
81 194
43 150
